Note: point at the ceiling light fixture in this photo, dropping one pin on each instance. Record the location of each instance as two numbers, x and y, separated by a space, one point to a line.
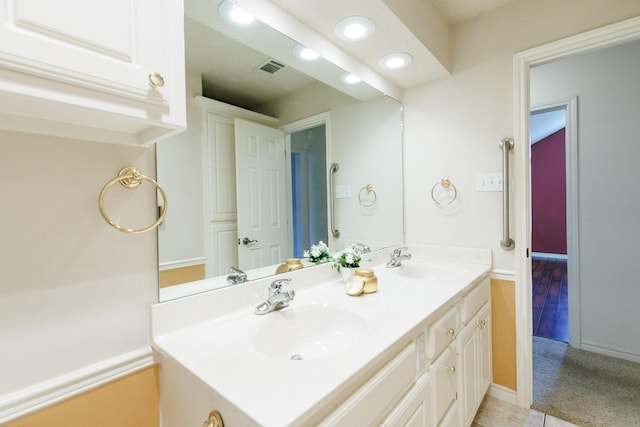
234 14
396 60
305 53
350 78
355 28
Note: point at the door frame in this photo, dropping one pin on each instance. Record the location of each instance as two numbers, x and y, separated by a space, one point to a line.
609 35
571 184
300 125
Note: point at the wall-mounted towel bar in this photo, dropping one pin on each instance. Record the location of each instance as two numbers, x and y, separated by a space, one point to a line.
332 170
507 242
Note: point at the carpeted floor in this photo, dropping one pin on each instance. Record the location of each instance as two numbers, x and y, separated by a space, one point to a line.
587 389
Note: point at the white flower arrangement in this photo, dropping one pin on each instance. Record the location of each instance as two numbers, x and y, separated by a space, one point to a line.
318 254
348 257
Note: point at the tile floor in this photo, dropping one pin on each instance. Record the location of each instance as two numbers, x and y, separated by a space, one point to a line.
494 412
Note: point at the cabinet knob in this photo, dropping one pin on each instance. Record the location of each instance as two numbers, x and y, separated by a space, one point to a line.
214 420
451 332
481 323
156 80
451 369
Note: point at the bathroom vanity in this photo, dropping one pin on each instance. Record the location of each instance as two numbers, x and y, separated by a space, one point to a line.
415 353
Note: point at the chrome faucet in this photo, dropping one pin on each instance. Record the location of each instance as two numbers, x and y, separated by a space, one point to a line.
278 299
236 276
364 249
397 257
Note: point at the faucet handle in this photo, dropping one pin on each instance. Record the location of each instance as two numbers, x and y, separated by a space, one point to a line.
276 286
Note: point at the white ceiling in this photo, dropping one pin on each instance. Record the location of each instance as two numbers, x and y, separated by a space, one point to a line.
545 123
390 36
229 68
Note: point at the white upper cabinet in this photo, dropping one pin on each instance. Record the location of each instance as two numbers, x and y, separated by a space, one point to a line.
110 71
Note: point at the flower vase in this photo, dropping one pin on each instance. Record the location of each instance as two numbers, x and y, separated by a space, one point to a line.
346 273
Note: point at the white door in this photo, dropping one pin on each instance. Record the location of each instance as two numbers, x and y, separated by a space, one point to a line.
261 192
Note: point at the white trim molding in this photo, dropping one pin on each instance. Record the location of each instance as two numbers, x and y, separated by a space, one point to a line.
181 263
503 393
610 35
30 399
503 275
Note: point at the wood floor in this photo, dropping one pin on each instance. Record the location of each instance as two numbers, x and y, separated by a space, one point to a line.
550 300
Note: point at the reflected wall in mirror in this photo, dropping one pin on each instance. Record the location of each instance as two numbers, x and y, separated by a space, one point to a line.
311 118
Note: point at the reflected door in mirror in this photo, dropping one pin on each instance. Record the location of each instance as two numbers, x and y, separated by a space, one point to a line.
261 195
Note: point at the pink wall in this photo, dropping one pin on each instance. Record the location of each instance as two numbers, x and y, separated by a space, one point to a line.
548 195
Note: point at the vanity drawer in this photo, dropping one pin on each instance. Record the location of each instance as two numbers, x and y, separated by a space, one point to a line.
441 333
412 409
472 301
444 384
368 404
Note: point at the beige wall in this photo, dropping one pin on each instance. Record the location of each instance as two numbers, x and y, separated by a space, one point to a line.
453 125
131 401
74 292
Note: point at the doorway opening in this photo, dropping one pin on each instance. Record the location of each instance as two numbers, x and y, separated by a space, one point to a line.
548 177
308 188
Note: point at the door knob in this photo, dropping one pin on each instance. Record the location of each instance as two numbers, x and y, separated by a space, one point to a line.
247 241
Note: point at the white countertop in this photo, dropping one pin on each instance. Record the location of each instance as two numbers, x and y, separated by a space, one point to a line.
276 391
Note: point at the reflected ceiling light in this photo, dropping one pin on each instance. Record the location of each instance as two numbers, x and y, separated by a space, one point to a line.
305 53
396 60
355 28
350 78
234 14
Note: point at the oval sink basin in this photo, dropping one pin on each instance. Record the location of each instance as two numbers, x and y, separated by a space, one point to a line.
308 332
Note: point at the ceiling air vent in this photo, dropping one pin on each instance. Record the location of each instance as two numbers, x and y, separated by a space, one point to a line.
271 66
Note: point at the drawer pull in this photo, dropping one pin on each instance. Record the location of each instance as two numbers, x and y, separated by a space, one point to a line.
156 80
451 332
451 369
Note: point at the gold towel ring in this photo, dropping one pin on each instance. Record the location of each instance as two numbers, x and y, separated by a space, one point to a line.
369 189
131 178
446 184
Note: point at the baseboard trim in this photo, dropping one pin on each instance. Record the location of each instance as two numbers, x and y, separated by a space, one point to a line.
31 399
503 393
181 263
618 354
503 275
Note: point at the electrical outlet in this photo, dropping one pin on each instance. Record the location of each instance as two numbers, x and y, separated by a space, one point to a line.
489 182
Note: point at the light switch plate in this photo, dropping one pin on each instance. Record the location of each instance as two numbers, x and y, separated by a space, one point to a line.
489 181
343 191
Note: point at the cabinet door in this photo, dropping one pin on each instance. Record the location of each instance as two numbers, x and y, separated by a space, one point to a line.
467 360
484 350
102 71
114 44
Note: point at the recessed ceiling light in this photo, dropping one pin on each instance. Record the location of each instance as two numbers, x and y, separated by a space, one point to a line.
396 60
305 53
350 78
234 14
355 28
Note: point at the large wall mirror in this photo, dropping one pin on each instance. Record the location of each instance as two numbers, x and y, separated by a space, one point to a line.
249 182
